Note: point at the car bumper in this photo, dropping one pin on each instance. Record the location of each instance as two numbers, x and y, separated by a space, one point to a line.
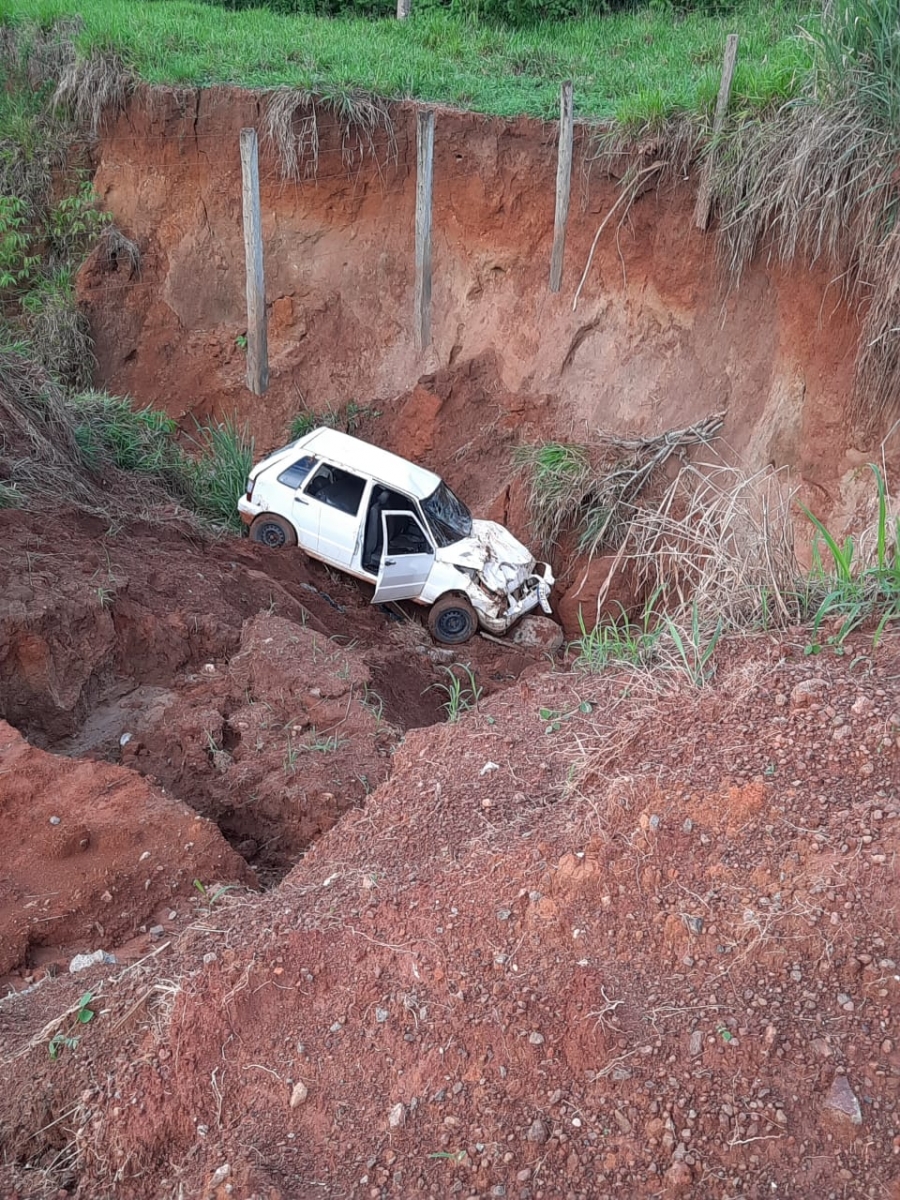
248 510
535 593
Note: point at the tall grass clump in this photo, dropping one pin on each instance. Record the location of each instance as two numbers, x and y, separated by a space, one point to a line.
818 181
208 477
559 475
217 473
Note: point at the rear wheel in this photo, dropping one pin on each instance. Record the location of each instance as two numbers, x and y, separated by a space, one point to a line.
273 531
452 620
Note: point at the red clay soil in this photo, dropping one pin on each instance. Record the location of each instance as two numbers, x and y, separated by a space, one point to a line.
90 852
656 341
600 938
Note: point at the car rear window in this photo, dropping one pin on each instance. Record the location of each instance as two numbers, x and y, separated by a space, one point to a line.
294 475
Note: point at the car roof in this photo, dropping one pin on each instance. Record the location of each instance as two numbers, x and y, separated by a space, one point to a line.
389 469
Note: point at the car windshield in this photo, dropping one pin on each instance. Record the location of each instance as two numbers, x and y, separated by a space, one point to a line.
448 517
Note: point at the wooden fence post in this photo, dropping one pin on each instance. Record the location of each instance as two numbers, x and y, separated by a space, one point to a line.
704 195
403 7
257 341
424 172
563 184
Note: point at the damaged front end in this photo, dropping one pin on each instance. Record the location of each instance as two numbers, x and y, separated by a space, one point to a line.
505 581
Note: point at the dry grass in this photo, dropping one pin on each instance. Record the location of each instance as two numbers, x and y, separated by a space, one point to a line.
719 541
93 87
291 129
38 451
593 490
119 250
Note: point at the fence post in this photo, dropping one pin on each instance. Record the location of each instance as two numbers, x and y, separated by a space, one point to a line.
424 172
403 7
704 195
257 341
563 184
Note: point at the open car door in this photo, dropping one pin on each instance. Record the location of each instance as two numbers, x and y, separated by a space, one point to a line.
407 558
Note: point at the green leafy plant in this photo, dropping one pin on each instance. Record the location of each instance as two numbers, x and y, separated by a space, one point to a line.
74 224
18 265
694 649
461 690
212 898
621 641
83 1015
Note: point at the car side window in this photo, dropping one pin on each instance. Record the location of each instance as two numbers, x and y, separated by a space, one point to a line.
406 536
337 488
294 475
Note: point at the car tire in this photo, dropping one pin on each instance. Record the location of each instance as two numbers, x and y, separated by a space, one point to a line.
272 531
452 620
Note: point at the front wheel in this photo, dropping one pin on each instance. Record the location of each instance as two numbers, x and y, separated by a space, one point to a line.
273 531
452 620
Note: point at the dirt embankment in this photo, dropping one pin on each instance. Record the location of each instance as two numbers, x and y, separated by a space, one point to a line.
643 948
656 341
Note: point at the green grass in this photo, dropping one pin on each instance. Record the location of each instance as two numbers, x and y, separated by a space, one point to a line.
621 64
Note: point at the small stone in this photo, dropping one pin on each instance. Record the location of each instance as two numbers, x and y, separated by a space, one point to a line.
499 1189
299 1094
210 957
381 1015
536 1039
621 1120
524 1175
696 1043
842 1103
396 1116
503 914
805 692
537 1132
220 1175
55 820
688 825
679 1177
81 962
156 932
336 1027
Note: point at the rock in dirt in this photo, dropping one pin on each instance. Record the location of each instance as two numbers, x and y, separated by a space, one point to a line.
842 1103
299 1094
220 1175
537 1132
538 633
396 1116
806 691
679 1178
82 962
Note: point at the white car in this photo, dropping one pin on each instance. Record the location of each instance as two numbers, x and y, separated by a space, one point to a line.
385 520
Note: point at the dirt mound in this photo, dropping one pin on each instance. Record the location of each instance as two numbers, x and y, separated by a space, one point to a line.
273 744
90 608
588 941
90 853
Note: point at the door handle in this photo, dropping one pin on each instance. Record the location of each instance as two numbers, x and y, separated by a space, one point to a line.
390 562
300 500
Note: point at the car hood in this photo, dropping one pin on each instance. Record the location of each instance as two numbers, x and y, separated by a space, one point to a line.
501 560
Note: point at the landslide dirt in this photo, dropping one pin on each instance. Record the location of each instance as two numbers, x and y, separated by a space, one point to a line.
657 340
596 939
91 853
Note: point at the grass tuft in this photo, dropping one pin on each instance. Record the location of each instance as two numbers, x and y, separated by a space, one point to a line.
94 86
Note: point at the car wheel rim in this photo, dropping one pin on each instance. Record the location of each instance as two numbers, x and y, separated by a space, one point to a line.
272 536
453 623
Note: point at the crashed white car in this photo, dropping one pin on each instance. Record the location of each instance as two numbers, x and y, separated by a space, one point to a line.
385 520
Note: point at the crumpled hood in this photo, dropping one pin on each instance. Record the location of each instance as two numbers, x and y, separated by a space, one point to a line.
503 562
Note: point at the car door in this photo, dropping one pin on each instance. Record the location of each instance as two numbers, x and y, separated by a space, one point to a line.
406 560
304 516
331 504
